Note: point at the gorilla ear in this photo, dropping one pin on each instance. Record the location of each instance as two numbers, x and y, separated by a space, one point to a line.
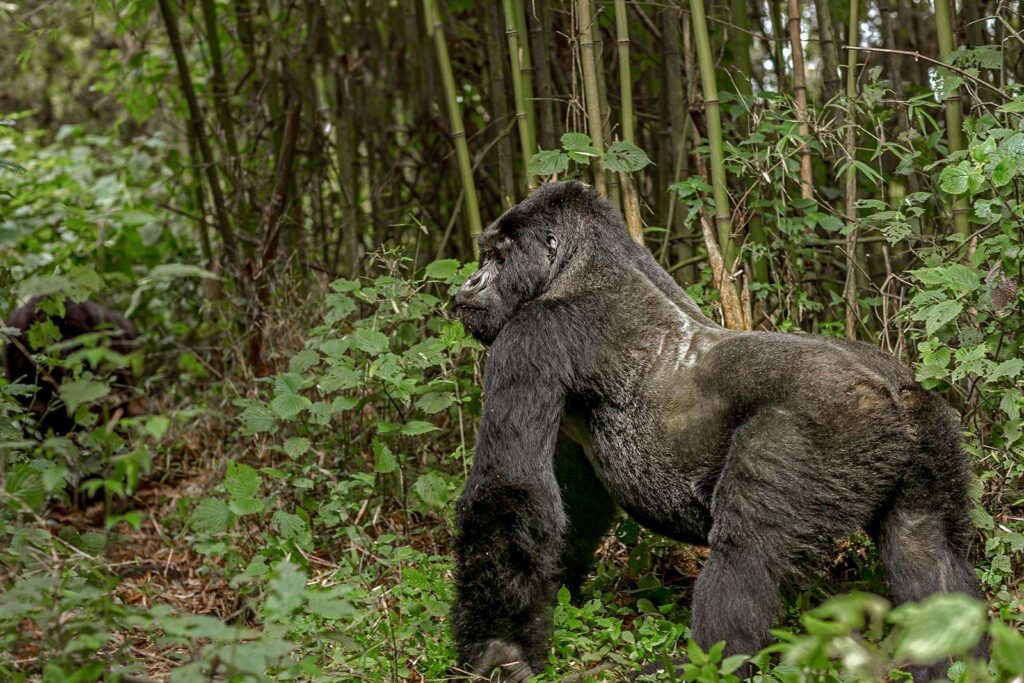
552 245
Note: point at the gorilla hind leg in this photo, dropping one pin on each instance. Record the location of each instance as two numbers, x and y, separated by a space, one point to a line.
589 510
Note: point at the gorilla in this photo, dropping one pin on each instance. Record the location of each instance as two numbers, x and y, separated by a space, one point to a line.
78 319
606 388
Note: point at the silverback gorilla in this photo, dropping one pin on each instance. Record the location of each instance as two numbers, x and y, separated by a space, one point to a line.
606 388
78 319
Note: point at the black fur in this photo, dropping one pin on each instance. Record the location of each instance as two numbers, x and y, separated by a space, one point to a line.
78 319
606 387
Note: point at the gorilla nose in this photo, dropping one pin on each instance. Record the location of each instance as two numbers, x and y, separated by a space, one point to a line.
476 283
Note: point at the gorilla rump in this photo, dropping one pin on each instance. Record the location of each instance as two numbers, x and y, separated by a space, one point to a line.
606 388
78 319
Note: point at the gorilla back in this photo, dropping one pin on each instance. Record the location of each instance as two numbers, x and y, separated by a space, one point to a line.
607 388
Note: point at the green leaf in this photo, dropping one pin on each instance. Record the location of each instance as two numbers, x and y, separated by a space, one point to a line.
435 401
339 378
256 419
432 489
211 516
417 427
941 625
287 406
82 391
156 426
956 277
370 341
548 162
385 462
288 525
1008 368
241 480
177 271
576 142
963 178
938 315
287 383
1007 649
625 157
303 361
296 446
1004 171
443 269
246 506
285 590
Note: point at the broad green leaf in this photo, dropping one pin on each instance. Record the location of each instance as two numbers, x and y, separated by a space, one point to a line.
548 162
246 506
435 401
241 480
432 489
1004 171
82 391
370 341
1008 368
287 406
443 269
211 516
296 446
287 524
285 590
339 378
156 426
939 626
385 462
417 427
938 315
256 419
287 383
303 361
1007 649
177 271
625 157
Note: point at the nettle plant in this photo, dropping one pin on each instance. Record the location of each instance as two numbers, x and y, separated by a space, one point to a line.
378 379
970 320
578 149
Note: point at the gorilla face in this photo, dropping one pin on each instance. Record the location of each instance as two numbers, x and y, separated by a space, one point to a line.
517 253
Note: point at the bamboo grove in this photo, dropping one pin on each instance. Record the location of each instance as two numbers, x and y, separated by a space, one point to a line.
315 133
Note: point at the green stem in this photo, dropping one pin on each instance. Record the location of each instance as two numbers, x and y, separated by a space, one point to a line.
455 116
518 91
850 287
625 77
954 134
590 90
723 220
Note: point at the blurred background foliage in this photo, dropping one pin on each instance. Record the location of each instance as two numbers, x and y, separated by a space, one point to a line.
282 196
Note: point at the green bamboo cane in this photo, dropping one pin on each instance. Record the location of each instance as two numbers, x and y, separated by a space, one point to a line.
590 90
625 77
850 286
954 134
526 68
526 136
723 220
455 116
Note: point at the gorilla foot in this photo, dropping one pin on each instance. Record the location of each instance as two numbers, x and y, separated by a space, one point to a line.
502 661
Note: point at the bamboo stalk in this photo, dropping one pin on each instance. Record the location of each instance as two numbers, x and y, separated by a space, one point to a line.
614 195
499 102
592 101
195 122
455 116
723 220
850 142
677 114
778 58
625 77
541 41
519 94
740 43
800 88
954 135
631 202
526 68
829 51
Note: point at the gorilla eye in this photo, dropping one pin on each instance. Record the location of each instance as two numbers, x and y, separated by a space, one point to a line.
552 243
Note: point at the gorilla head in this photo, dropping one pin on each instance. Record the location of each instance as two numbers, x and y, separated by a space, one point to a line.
518 260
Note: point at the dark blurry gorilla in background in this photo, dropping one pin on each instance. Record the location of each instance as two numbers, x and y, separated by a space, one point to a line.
79 319
607 388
